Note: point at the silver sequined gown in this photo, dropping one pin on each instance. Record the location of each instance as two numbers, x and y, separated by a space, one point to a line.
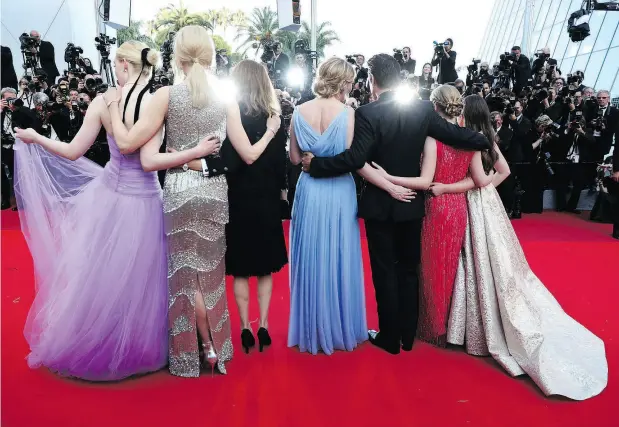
196 212
500 308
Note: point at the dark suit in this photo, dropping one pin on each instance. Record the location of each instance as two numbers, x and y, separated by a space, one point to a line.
506 189
282 64
48 62
9 78
521 70
393 135
447 71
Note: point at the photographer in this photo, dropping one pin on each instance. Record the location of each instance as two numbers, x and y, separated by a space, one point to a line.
425 82
407 63
445 58
503 139
47 57
14 114
543 140
281 62
574 148
521 69
605 125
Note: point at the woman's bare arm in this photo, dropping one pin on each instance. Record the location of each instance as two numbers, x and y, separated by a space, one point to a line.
428 167
143 130
83 140
236 133
479 175
295 151
501 167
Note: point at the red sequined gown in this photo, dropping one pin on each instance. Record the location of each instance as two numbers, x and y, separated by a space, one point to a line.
442 236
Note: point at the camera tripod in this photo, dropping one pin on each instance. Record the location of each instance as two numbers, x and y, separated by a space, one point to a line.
106 66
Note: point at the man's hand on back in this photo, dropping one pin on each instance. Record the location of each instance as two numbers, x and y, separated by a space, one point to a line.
306 160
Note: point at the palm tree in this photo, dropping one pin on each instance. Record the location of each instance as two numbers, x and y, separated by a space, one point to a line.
261 24
172 18
325 36
133 32
287 39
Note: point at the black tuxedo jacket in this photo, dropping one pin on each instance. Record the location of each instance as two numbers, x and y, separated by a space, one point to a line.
393 135
9 78
48 61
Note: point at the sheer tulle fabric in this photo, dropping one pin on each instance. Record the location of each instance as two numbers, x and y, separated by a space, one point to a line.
327 301
96 239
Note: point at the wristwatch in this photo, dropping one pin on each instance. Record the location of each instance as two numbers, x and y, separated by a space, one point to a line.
185 167
204 168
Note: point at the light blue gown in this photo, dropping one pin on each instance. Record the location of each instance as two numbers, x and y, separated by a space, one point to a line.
327 301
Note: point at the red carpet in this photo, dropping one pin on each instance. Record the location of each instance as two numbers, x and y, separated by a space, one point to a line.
281 387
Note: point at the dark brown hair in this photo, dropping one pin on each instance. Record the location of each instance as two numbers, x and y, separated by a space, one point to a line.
477 117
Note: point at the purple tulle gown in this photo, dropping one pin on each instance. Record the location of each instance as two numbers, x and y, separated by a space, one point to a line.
97 241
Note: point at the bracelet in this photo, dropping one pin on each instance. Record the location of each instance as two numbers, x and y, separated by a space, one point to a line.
274 132
111 102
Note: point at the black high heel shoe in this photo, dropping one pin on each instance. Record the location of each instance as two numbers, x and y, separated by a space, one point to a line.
264 338
247 340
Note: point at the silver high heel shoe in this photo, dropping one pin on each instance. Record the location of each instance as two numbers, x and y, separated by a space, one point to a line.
210 355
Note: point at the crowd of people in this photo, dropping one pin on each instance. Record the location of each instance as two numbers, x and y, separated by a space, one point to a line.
131 278
53 104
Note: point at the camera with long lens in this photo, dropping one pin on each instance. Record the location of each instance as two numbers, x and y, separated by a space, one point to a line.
598 123
351 59
397 54
72 57
103 43
30 50
474 67
575 123
439 48
95 85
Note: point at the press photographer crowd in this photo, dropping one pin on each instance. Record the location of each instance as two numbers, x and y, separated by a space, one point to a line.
555 132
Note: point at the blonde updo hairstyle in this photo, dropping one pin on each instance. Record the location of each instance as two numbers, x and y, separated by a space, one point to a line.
131 51
447 100
333 75
194 47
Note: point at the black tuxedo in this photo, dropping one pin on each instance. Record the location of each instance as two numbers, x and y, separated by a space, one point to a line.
48 62
521 73
9 78
393 135
282 64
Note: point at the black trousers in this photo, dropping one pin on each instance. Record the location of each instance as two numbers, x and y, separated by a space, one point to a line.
394 256
564 174
8 156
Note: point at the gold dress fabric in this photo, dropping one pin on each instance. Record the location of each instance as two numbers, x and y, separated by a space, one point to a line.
196 212
500 308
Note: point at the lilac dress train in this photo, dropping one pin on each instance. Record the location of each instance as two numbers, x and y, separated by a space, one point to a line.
97 241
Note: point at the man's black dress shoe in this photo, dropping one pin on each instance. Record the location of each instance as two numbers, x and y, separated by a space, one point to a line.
376 339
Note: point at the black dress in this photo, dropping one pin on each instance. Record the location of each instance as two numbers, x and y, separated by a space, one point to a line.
254 234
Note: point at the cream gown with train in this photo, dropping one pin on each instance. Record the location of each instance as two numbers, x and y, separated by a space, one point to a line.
500 308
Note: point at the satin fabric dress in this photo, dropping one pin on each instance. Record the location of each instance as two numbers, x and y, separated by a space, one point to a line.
500 308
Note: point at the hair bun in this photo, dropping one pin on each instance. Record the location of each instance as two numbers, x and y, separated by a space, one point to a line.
145 56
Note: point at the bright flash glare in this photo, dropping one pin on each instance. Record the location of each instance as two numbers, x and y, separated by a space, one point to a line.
295 77
227 90
405 94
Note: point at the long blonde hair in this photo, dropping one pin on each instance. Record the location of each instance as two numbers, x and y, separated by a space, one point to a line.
194 47
255 90
131 51
448 100
333 74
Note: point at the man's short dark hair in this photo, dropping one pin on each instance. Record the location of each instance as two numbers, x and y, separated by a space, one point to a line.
385 69
516 48
451 42
406 47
